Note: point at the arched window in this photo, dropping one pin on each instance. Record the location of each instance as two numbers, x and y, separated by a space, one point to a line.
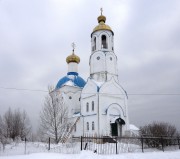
104 42
87 125
94 44
87 107
93 126
92 105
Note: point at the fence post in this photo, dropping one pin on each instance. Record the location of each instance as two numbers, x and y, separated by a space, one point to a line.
178 142
81 143
116 146
162 142
142 143
25 145
49 143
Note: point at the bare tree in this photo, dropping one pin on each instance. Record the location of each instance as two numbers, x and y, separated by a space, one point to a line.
8 123
15 124
25 127
159 130
54 117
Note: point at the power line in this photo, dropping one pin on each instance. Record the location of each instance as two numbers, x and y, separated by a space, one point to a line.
133 94
23 89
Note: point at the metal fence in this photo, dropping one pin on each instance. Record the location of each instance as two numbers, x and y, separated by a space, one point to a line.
99 145
116 145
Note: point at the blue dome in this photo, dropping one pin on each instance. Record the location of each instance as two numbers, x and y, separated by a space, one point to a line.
73 78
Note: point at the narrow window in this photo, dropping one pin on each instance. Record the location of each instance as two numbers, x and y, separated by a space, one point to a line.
75 127
94 44
92 105
87 107
87 125
93 125
104 42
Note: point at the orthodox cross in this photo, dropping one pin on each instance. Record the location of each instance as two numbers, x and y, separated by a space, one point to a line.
101 9
73 46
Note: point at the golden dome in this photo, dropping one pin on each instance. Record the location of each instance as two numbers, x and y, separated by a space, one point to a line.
101 18
102 26
73 58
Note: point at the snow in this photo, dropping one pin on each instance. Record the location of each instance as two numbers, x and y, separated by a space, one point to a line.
38 150
76 114
91 155
99 84
69 83
133 127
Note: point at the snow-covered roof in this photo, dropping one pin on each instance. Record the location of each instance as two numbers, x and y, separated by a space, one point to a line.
72 79
133 127
99 84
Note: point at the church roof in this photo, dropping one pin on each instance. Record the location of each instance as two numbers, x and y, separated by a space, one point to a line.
72 79
102 26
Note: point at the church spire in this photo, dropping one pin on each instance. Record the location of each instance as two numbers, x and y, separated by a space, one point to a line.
103 61
102 26
101 18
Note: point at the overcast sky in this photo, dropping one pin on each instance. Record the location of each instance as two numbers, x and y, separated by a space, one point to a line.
36 37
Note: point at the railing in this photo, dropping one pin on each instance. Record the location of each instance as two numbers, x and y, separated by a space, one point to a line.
116 145
99 145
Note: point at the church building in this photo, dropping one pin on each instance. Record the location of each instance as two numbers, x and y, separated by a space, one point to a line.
99 105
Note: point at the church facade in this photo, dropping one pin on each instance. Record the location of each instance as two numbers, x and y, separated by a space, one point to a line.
99 105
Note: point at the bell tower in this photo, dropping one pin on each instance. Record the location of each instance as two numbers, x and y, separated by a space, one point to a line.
103 100
103 61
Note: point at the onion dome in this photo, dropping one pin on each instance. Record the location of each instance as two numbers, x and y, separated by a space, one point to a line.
73 58
72 79
102 26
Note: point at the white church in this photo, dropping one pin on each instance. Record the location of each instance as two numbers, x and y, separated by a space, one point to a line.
99 105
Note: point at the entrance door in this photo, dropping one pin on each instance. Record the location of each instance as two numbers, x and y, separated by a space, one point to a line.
114 130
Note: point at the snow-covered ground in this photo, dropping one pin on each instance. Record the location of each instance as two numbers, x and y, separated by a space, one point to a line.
38 150
91 155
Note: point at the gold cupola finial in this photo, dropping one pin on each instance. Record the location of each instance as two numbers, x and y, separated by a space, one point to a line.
102 26
73 57
101 17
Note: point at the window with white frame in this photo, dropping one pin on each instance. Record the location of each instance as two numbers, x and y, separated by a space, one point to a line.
104 42
75 127
92 105
93 128
87 107
87 125
94 44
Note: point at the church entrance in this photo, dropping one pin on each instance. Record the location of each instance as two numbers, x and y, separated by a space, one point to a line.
116 127
114 130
